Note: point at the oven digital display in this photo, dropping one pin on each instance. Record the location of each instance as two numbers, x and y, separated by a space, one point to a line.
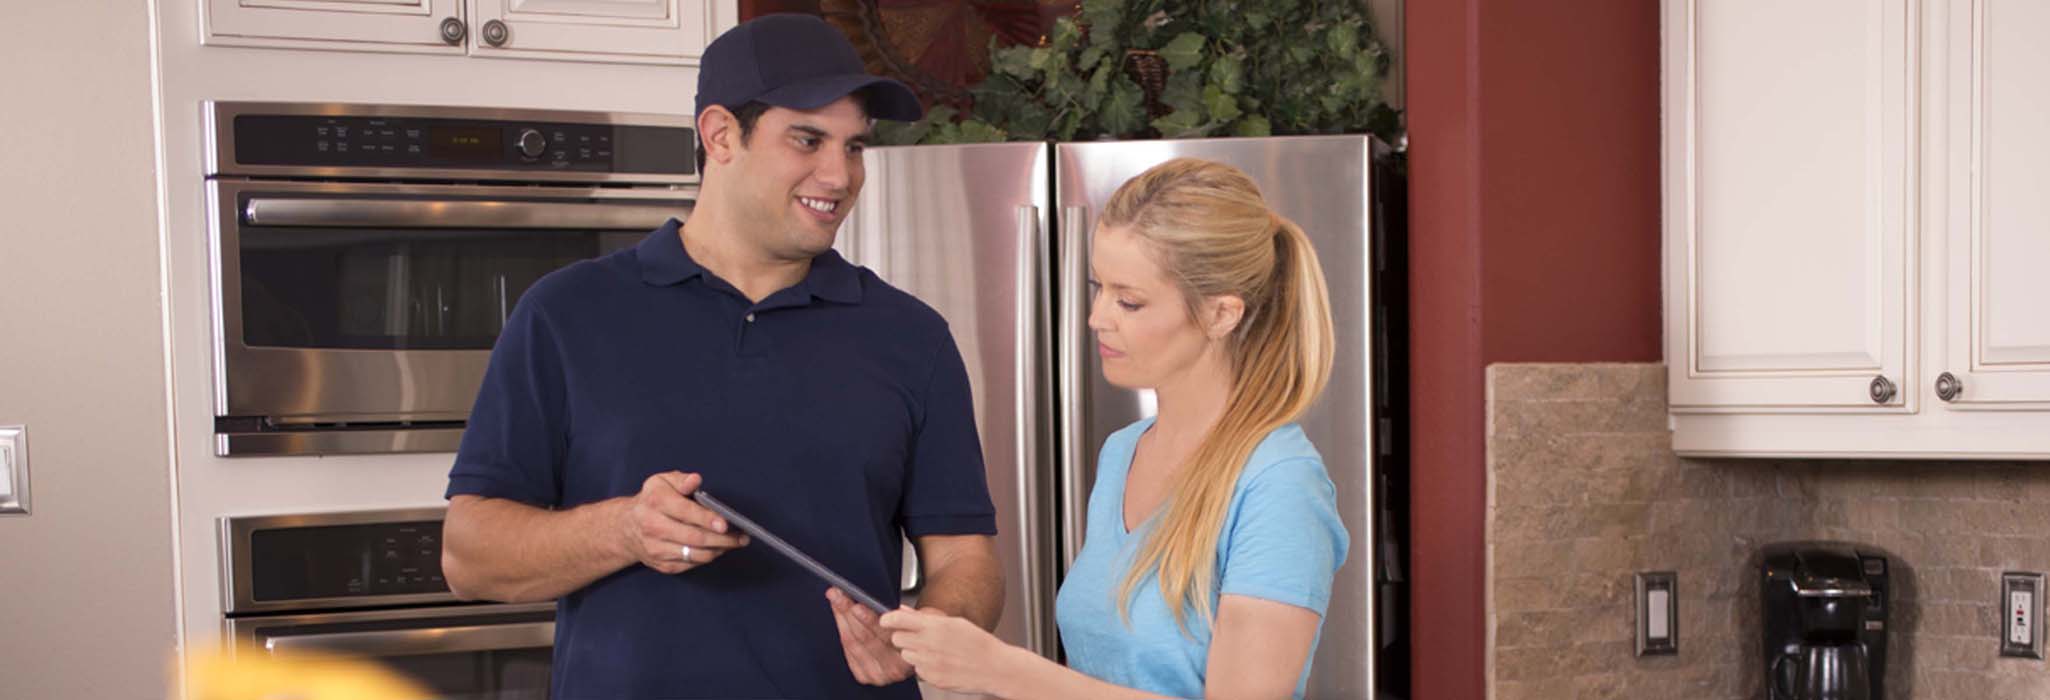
465 143
335 561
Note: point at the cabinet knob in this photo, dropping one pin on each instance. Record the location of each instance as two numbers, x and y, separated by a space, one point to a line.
453 30
1948 387
1882 389
496 33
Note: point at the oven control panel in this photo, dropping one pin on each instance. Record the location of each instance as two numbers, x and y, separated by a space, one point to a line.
433 143
366 560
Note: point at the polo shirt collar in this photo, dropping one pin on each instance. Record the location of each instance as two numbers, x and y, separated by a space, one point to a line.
664 262
663 259
833 278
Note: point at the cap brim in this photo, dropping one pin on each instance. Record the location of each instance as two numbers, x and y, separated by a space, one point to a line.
886 98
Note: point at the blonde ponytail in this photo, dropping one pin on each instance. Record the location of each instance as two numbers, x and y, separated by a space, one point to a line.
1216 235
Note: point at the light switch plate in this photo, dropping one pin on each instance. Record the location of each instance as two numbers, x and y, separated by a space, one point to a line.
1658 616
13 470
2021 618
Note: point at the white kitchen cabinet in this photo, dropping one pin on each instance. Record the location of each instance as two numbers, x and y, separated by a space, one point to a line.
613 31
1997 308
1787 204
651 31
1852 211
411 26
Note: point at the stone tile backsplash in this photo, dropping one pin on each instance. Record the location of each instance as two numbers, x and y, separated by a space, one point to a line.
1584 490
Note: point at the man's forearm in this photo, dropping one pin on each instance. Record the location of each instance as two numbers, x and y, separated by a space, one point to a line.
968 584
497 549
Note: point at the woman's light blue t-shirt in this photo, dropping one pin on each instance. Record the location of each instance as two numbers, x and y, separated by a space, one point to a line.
1282 541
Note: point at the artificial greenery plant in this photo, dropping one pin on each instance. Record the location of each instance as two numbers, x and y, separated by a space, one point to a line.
1177 69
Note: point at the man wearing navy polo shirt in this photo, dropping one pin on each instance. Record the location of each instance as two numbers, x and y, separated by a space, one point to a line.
734 351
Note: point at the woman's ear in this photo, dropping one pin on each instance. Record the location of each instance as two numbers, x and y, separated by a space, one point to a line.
1222 315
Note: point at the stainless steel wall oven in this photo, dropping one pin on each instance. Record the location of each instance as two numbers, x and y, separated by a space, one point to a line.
365 257
368 584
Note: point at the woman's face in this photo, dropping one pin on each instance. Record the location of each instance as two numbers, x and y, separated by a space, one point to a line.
1143 330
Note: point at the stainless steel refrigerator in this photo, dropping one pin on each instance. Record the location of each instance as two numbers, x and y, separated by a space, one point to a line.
995 237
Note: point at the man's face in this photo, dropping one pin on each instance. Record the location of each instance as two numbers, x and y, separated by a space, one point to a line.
796 176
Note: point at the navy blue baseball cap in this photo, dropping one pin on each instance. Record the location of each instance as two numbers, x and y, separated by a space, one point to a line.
798 62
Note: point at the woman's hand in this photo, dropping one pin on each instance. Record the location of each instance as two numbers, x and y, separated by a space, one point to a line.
951 652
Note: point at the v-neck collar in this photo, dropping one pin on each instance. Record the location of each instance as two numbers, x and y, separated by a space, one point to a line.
1125 482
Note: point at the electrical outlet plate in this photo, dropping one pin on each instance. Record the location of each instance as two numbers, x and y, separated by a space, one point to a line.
13 470
1658 616
2021 619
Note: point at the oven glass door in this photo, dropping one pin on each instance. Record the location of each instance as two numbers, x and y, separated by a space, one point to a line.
455 653
433 272
378 302
394 289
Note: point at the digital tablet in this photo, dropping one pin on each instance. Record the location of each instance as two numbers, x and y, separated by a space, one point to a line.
777 543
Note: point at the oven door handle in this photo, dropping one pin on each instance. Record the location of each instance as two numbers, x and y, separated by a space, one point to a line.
414 642
455 213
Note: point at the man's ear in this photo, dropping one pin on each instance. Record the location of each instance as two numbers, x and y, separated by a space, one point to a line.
719 130
1222 315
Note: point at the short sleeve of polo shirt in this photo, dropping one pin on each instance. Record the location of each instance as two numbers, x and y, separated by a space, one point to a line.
1286 540
945 489
515 434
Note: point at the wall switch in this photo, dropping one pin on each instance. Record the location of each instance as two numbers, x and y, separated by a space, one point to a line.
1658 618
13 470
2021 626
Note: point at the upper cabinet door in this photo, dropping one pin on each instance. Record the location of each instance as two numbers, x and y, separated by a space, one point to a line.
1997 348
624 31
411 26
1789 163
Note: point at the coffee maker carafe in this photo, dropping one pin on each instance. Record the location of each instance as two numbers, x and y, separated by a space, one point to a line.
1825 612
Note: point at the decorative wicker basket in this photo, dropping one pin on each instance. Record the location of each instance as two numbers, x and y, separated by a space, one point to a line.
1149 70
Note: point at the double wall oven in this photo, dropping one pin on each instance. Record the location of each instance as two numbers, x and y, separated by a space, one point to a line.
365 257
368 584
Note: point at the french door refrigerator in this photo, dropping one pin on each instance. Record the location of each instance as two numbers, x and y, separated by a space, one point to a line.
995 237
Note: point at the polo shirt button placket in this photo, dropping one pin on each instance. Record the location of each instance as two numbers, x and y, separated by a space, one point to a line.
750 346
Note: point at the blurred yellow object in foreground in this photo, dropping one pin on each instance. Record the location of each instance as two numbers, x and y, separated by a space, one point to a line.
299 676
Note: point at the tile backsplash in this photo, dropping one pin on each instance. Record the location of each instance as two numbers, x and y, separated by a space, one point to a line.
1584 490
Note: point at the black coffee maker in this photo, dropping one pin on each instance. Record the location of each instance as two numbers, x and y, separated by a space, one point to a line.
1826 608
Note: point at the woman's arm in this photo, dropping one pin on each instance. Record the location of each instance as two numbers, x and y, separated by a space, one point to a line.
1032 676
1259 649
955 654
1284 548
1257 652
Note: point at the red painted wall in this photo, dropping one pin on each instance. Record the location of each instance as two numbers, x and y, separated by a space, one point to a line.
1446 482
1569 181
1534 237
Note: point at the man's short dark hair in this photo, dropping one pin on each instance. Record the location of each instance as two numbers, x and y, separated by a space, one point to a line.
746 114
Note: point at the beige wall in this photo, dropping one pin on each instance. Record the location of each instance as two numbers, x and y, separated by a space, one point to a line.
1584 490
86 584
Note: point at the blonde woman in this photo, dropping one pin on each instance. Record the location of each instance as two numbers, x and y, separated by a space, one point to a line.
1213 530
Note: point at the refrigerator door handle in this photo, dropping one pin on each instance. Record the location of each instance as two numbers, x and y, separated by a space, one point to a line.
1074 328
1035 483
